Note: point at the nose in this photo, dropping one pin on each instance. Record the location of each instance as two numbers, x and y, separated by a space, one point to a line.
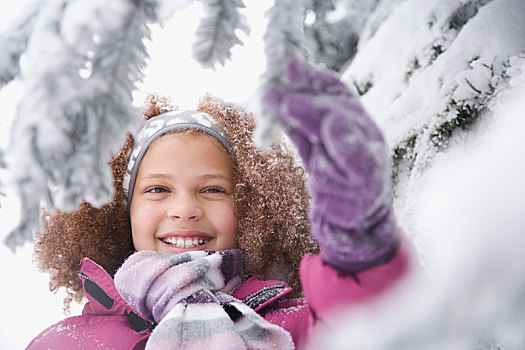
184 207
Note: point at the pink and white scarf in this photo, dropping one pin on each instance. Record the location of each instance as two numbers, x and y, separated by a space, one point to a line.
187 294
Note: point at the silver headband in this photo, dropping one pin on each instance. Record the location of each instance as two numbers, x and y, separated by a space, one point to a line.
162 124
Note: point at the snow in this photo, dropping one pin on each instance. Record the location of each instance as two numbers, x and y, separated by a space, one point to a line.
471 70
491 37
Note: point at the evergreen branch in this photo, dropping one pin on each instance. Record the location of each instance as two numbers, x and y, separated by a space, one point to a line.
216 32
13 42
81 71
473 87
125 70
283 38
283 41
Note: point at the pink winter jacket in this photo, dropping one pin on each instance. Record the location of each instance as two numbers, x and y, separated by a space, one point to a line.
108 322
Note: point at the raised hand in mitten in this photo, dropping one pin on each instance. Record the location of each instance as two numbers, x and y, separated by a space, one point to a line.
347 161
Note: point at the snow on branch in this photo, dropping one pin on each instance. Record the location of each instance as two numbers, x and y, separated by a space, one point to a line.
14 41
283 41
83 59
216 34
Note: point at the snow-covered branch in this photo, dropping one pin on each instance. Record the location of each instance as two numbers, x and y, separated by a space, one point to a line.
83 60
283 41
216 34
14 41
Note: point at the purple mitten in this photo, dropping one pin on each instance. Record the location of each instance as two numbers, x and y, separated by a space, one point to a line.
347 161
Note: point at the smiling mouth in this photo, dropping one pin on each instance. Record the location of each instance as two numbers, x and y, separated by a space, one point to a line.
187 242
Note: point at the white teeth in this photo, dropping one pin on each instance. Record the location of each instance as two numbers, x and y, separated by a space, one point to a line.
184 243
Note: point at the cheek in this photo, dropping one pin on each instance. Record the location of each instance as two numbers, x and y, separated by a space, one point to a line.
229 226
231 223
142 218
139 211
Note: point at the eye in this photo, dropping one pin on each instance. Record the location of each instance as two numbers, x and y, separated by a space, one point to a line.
156 190
214 190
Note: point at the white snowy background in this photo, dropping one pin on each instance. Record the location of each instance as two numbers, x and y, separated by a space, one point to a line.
460 199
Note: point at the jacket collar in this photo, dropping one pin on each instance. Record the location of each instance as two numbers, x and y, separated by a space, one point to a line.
104 299
258 294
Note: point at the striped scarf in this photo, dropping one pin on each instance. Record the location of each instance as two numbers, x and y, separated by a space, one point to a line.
187 294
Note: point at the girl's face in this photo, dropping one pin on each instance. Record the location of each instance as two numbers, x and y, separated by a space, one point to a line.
183 196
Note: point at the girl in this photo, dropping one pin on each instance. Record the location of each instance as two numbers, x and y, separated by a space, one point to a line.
201 246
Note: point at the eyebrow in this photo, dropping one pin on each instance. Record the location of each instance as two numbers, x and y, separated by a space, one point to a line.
214 176
203 177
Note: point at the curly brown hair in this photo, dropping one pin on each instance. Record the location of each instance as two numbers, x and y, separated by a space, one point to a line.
271 203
